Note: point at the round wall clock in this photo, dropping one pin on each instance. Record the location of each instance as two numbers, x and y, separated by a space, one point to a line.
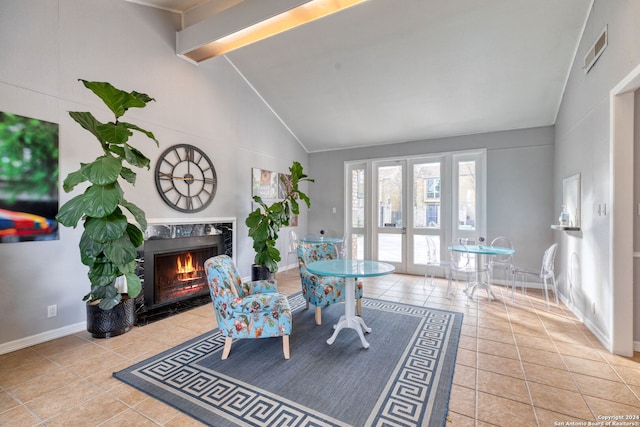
186 178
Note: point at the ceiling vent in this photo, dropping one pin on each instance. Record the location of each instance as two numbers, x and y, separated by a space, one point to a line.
596 50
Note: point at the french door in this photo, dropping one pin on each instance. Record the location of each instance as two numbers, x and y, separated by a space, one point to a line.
394 205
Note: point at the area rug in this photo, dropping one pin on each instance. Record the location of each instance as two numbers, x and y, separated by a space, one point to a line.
403 379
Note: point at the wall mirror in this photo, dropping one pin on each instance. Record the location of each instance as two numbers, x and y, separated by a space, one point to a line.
571 198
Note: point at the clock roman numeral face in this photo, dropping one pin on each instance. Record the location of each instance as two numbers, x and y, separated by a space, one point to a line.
186 178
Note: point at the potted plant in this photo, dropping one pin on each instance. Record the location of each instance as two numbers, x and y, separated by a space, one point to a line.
109 241
265 222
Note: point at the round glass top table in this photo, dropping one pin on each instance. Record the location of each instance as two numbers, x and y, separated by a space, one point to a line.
321 239
350 269
481 250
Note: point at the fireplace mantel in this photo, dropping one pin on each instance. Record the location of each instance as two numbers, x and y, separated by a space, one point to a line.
191 221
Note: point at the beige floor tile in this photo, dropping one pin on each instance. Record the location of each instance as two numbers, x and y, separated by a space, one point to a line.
541 357
470 343
79 353
465 376
503 386
466 357
553 350
14 373
602 407
127 394
60 400
129 418
550 418
469 330
90 413
7 401
581 351
39 386
455 419
18 416
500 365
500 335
553 377
497 348
616 360
60 345
590 367
570 338
156 410
501 411
631 375
615 391
182 420
463 401
559 400
537 342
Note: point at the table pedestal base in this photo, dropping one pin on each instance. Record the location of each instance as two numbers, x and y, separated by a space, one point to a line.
349 319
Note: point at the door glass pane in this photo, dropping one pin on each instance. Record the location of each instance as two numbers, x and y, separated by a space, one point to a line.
390 247
390 196
357 198
467 195
426 195
357 246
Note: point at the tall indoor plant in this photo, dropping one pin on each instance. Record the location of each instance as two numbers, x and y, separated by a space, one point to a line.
109 241
265 222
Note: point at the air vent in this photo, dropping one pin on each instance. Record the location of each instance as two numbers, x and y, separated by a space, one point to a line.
596 50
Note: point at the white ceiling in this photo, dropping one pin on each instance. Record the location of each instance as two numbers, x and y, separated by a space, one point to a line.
389 71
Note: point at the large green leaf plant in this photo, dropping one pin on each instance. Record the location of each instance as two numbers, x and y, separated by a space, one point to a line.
109 241
265 222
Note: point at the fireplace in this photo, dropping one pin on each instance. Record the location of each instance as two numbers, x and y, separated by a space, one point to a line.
174 267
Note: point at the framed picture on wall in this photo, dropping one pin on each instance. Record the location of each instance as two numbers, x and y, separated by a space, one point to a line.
28 179
264 183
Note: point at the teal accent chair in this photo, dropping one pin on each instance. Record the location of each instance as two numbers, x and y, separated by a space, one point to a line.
246 309
321 291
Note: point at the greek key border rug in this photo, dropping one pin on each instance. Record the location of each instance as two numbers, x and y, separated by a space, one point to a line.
403 379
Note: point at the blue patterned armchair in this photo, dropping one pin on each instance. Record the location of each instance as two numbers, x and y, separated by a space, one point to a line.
246 309
321 291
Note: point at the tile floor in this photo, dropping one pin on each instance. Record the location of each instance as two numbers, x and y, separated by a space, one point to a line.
518 364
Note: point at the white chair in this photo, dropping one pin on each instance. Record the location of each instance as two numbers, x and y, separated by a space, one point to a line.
433 260
501 262
293 248
461 263
545 273
342 246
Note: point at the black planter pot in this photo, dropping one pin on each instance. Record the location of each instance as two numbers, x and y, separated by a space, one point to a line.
260 272
111 323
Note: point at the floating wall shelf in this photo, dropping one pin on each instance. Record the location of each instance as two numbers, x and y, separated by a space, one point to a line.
565 228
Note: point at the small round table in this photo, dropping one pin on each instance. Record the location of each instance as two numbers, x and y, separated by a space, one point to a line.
481 250
321 239
350 269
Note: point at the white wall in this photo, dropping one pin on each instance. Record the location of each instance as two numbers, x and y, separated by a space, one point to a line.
519 184
583 145
47 46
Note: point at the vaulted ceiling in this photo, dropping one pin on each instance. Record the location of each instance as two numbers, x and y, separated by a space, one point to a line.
391 71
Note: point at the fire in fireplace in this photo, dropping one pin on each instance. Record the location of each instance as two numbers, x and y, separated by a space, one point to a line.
174 268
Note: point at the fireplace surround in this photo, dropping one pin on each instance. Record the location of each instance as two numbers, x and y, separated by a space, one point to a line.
171 264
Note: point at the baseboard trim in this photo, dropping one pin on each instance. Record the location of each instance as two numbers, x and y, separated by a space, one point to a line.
25 342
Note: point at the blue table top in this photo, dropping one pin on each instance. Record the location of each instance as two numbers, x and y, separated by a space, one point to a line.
350 268
321 239
482 249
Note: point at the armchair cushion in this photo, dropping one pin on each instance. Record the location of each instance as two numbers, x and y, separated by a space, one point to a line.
321 290
246 309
